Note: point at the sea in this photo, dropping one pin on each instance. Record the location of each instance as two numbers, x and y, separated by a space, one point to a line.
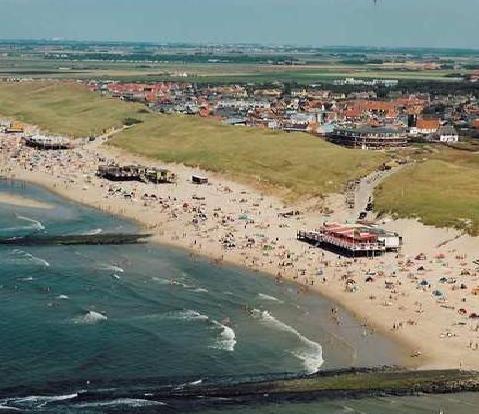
120 321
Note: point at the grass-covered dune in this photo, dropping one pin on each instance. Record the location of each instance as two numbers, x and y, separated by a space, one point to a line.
298 162
63 107
442 191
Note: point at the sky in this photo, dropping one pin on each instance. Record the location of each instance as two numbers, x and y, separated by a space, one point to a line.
390 23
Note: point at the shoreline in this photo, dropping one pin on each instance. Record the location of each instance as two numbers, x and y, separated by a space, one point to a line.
172 226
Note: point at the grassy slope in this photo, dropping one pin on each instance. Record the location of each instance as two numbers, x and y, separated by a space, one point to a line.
63 108
442 191
301 163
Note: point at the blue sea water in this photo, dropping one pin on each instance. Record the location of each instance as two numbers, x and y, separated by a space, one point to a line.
115 318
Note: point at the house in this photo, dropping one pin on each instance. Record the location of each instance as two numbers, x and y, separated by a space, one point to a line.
447 134
425 126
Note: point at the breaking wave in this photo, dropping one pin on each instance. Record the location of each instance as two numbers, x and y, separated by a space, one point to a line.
187 315
36 225
130 402
90 318
92 232
200 290
22 256
269 297
36 401
227 338
113 268
310 352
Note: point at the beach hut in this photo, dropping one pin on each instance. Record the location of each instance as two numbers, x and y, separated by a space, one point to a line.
199 179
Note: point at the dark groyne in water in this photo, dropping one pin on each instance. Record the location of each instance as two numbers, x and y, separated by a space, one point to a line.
345 383
216 392
75 239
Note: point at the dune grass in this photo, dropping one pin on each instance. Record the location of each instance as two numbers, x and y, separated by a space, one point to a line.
298 162
442 191
63 108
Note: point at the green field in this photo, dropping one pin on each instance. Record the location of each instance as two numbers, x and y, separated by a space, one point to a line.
63 108
442 191
298 162
323 70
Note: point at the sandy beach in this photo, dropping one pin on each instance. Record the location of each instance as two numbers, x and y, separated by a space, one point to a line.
423 296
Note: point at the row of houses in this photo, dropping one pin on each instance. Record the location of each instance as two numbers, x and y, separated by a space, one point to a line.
358 118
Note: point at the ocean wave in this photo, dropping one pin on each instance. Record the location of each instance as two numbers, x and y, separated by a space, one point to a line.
161 281
227 338
310 352
200 290
20 255
92 232
269 297
63 297
26 279
90 318
130 402
187 315
35 401
37 225
181 386
113 268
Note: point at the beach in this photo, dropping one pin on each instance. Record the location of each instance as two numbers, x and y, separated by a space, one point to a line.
422 296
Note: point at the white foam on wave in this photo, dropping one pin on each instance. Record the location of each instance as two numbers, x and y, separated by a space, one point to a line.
269 297
22 255
310 352
90 318
131 402
92 232
37 401
113 268
37 225
44 398
200 290
188 315
227 338
7 408
63 297
26 279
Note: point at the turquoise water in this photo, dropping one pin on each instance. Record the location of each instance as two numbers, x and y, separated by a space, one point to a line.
121 317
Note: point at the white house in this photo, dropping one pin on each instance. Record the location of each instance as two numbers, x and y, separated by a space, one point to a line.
447 134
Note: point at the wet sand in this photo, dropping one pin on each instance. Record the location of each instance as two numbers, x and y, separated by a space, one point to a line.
19 201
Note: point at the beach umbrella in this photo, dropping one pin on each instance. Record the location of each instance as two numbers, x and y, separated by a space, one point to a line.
437 293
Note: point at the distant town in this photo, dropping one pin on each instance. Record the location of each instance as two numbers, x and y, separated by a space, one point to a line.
355 119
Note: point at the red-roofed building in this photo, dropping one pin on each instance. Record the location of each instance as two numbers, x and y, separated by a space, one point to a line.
426 126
